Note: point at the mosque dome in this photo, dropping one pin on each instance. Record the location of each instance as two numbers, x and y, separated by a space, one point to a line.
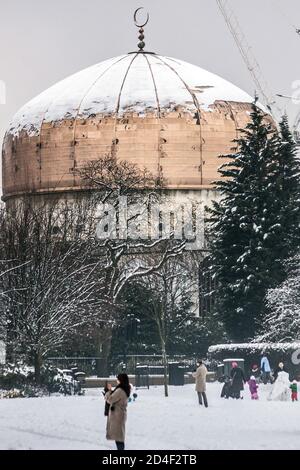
161 113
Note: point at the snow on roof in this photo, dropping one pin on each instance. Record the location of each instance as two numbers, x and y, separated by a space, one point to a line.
129 83
255 346
233 359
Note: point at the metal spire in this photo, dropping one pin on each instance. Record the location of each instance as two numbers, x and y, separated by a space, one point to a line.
141 44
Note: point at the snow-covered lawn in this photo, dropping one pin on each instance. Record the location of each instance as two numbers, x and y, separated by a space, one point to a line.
154 422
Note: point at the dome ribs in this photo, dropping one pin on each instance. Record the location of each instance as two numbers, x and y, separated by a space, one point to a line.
157 112
197 106
115 140
154 84
79 108
160 140
122 85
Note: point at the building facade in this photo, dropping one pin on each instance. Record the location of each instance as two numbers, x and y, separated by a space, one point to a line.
160 113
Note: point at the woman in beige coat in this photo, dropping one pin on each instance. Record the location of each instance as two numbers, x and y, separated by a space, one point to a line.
118 400
200 376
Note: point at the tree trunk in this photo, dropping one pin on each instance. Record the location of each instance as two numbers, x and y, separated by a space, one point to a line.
10 343
10 352
103 347
165 364
159 318
38 361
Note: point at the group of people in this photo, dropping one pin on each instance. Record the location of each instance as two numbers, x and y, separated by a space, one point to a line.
265 371
282 387
234 384
116 400
232 387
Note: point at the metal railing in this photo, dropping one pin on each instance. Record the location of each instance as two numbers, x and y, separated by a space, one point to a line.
119 363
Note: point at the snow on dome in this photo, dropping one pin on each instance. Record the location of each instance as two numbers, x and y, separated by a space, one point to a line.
135 83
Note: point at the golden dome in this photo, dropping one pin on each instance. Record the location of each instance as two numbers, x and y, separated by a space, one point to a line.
164 114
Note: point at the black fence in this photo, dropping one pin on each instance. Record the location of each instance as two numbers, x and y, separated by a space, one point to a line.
128 364
144 376
154 362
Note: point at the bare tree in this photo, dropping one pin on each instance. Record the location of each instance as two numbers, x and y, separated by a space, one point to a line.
171 286
50 282
58 277
111 176
130 259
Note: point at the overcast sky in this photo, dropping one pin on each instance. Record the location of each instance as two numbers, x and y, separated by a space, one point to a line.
43 42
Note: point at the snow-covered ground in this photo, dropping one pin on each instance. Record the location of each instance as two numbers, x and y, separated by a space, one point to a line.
154 422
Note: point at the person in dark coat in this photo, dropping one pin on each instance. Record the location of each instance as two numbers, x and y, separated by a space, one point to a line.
107 405
226 389
237 381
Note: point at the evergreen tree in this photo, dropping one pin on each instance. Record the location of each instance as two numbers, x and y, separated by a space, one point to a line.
287 189
136 333
255 224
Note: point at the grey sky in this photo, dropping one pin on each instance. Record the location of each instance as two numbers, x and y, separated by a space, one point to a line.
43 42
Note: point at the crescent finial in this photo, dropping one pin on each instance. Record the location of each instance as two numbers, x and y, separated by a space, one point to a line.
135 18
141 44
